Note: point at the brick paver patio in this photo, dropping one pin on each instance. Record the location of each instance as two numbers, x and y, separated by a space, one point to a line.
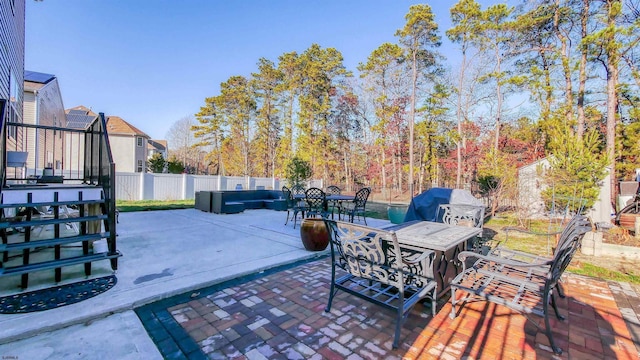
281 315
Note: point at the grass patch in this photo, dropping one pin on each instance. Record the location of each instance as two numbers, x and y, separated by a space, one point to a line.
150 205
587 269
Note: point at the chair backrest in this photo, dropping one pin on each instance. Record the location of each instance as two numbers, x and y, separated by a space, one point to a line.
569 243
287 195
315 198
366 252
297 190
361 197
461 214
333 190
578 223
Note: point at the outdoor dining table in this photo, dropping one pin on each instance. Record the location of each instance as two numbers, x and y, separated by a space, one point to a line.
337 197
447 241
328 198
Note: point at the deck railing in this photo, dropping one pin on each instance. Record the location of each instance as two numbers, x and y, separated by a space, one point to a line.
58 153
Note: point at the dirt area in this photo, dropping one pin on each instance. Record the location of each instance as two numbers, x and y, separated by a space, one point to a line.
620 236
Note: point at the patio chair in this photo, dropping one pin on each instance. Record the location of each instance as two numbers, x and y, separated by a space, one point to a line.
357 206
298 190
378 272
316 202
502 251
524 287
294 207
334 204
464 215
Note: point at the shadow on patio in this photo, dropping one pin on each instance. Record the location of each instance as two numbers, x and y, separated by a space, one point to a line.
280 314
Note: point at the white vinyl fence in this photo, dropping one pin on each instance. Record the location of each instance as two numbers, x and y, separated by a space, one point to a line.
149 186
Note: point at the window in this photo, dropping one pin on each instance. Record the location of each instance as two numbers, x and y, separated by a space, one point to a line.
139 140
14 100
139 165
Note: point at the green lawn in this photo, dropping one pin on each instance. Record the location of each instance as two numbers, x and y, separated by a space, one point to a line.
149 205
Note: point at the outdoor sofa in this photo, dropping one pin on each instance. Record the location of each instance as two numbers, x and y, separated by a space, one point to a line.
235 201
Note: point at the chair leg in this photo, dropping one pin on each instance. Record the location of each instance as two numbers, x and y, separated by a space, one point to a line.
399 318
332 290
452 315
555 307
547 325
285 223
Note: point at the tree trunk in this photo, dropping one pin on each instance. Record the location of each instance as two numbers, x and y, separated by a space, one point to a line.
412 115
582 80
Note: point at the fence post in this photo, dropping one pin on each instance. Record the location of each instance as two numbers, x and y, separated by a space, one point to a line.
219 182
184 186
141 195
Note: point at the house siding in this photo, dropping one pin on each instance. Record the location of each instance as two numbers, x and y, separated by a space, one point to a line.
121 149
12 43
44 107
12 22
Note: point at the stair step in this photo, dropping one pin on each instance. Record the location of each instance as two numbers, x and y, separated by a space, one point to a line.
52 242
54 264
53 203
65 220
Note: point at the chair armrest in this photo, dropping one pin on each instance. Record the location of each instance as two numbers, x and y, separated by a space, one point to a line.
517 255
508 229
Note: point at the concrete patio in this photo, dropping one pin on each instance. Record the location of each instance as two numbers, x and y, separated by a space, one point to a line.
169 253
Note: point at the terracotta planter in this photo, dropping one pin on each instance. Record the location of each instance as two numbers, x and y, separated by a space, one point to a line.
314 235
628 221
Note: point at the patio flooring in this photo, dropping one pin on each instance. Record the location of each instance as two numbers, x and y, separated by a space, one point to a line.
183 272
280 315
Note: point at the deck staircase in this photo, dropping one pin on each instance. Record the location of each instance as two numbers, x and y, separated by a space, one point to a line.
43 225
29 224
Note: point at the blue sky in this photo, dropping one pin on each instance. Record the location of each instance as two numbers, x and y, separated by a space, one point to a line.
153 62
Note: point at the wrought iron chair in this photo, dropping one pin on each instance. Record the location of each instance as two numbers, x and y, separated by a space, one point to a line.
294 207
316 202
298 190
357 206
334 204
378 272
528 288
464 215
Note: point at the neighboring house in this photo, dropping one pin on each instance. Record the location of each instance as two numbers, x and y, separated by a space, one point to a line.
43 106
12 23
157 147
78 118
128 145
